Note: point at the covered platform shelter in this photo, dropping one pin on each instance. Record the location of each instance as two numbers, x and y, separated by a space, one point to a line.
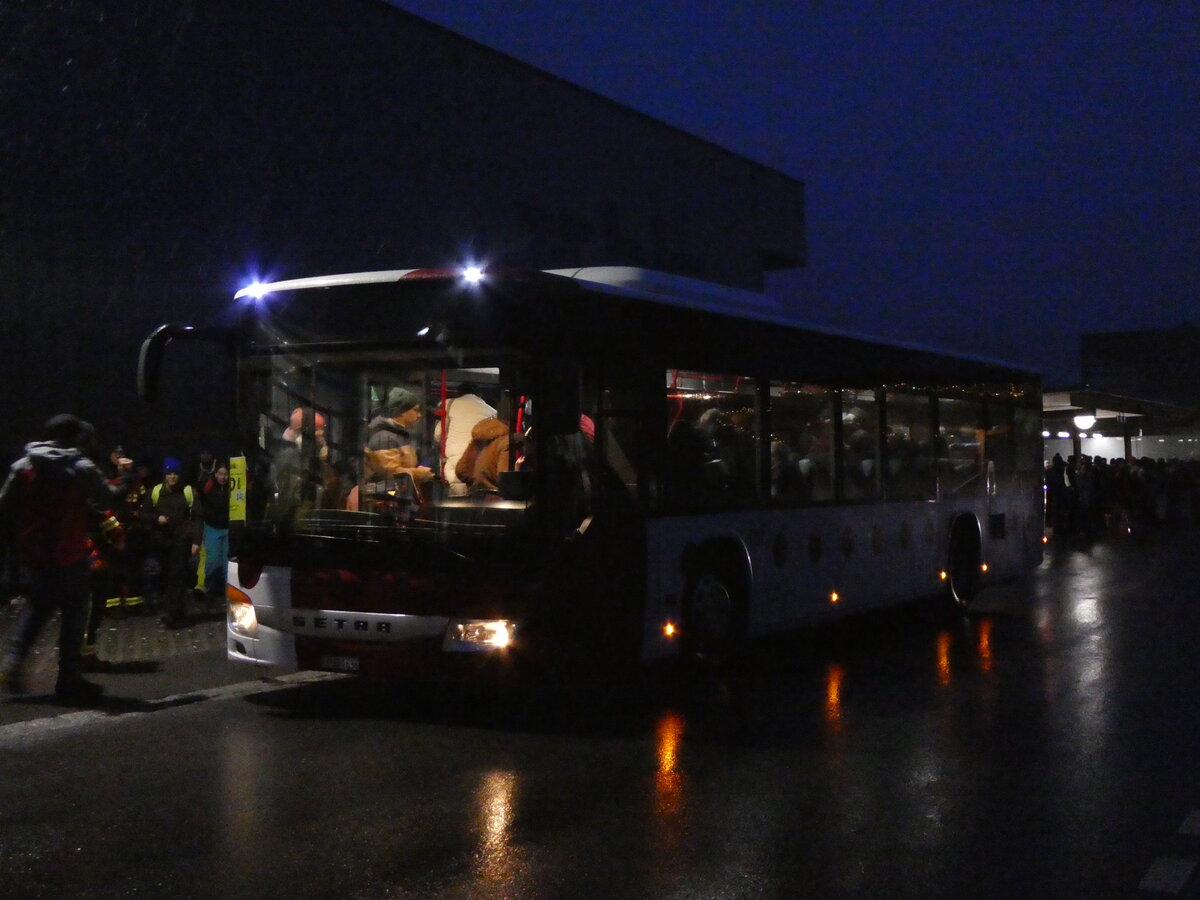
1082 420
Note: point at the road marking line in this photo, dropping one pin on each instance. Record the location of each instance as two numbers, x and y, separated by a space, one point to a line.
1167 875
19 733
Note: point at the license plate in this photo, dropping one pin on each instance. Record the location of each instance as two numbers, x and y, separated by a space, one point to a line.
339 663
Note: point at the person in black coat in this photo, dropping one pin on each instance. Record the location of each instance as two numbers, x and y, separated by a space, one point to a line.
172 515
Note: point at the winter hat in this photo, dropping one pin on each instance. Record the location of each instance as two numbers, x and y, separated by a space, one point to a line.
171 464
297 419
401 400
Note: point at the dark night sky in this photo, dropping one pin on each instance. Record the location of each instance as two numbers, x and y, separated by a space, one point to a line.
995 178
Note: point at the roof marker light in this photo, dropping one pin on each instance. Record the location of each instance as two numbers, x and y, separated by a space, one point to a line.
257 290
424 331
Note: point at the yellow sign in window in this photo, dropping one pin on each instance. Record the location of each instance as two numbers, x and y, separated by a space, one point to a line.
237 489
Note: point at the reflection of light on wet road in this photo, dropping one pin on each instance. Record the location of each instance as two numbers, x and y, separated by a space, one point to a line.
1087 611
497 794
243 794
1044 621
926 785
984 645
1075 621
669 822
833 696
668 781
240 770
943 657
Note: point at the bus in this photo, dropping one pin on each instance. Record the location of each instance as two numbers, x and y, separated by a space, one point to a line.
602 466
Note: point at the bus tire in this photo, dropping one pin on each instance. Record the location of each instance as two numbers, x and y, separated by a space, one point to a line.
713 616
964 562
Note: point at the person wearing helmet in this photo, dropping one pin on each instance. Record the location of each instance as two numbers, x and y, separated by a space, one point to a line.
50 503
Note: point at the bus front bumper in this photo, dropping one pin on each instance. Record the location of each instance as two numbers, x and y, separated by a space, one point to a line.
342 641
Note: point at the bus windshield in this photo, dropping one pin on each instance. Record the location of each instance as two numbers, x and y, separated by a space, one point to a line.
380 455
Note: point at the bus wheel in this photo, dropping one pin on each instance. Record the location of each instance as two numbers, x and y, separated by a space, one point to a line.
710 618
964 564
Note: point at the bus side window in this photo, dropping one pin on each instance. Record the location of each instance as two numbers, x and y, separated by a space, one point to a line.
1000 444
860 445
960 447
802 450
908 473
712 440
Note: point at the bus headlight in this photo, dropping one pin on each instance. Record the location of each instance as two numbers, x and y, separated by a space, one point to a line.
241 611
243 618
478 634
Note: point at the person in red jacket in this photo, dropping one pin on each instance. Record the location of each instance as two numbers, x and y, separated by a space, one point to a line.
49 505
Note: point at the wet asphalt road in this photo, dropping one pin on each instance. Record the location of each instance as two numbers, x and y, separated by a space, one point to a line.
1046 746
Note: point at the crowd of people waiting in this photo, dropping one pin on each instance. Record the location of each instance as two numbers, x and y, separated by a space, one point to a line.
1093 496
89 533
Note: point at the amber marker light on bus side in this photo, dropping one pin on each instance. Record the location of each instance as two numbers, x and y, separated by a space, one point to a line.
669 630
943 575
834 596
983 567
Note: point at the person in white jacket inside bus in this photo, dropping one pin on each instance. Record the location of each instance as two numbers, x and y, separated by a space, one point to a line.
461 415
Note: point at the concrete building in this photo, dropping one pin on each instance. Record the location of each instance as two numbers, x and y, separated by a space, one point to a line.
159 158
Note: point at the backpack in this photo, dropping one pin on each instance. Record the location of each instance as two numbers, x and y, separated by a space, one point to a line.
188 494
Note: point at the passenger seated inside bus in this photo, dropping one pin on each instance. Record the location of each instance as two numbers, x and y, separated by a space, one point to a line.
303 474
861 454
294 435
908 474
485 457
390 449
816 461
802 447
787 478
390 460
711 457
456 419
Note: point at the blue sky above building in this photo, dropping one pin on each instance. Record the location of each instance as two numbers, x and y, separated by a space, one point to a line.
990 178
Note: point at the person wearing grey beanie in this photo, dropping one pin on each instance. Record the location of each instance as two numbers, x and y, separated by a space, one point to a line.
399 401
390 451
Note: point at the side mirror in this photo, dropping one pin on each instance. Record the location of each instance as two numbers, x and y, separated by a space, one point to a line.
150 359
